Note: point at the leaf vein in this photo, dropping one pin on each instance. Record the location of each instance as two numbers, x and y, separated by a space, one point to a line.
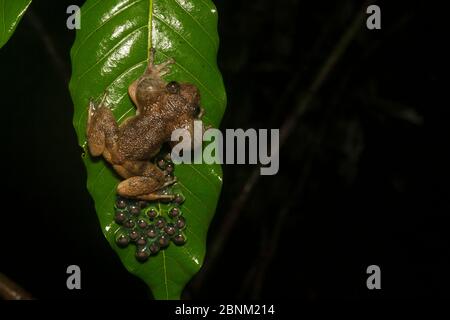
197 220
103 204
4 20
108 53
197 22
207 4
165 275
188 190
185 40
102 25
98 175
193 167
198 81
110 84
91 7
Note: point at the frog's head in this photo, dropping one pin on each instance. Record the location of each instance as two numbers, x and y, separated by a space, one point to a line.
183 108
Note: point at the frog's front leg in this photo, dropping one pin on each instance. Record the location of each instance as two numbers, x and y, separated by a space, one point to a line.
158 70
152 77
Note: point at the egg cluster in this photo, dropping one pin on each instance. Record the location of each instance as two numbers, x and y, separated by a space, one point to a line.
148 225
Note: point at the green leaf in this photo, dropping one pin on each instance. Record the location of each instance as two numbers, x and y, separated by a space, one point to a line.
111 51
11 11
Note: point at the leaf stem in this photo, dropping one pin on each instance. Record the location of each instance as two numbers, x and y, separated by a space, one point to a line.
49 43
9 290
150 27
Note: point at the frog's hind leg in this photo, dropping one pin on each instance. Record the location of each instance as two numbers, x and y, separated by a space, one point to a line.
144 181
143 188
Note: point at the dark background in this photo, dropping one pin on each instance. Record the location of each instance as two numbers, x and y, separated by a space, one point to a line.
363 174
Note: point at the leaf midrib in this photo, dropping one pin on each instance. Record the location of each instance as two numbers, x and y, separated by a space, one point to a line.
150 27
149 46
164 259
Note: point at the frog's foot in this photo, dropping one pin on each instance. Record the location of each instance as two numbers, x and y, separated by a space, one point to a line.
201 113
156 197
144 188
93 106
160 69
103 99
169 182
91 111
163 68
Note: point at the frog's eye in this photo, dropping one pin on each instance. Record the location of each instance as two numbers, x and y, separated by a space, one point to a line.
197 111
173 87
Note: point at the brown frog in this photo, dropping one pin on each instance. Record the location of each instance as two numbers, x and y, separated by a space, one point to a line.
161 108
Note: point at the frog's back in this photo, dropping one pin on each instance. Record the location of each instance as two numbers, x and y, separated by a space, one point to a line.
140 138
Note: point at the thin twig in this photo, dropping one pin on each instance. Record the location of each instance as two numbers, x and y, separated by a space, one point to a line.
303 103
55 56
267 253
9 290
